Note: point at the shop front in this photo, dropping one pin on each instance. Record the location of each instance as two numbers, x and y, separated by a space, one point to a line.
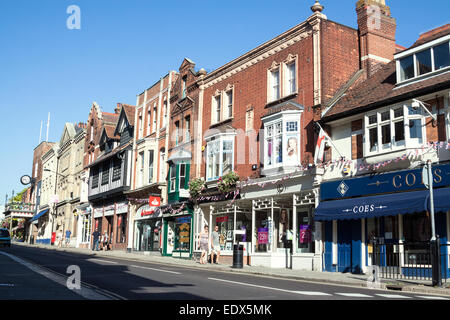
147 229
178 233
84 225
276 214
390 212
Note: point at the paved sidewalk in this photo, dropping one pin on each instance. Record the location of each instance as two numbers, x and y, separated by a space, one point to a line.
328 277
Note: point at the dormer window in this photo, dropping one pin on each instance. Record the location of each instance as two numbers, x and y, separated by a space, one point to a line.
423 60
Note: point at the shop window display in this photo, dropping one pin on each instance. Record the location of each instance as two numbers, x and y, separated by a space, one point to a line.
283 229
182 233
225 224
263 231
305 232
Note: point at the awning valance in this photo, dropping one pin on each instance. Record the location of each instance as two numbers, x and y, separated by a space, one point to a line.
375 206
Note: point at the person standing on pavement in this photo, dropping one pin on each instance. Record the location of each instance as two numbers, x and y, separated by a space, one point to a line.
96 238
204 240
59 238
68 233
215 245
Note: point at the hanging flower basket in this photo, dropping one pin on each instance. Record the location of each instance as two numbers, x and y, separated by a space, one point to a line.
227 182
196 187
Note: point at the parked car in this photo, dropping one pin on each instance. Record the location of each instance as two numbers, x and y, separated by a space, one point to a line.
5 238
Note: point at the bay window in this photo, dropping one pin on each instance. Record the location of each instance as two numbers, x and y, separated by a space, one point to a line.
281 142
389 129
220 157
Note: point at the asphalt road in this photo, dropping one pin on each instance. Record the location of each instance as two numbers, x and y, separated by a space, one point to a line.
132 280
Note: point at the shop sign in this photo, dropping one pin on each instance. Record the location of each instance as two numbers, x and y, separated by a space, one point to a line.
263 236
406 180
109 210
98 212
122 207
183 219
222 219
146 212
154 201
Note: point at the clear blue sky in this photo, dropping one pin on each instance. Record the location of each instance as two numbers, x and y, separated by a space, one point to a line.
124 47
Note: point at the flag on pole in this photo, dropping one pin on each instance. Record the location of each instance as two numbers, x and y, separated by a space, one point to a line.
320 146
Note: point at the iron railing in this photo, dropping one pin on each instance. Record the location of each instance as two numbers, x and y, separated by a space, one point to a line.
411 261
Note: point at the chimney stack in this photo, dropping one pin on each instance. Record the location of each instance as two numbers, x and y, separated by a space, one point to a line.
376 34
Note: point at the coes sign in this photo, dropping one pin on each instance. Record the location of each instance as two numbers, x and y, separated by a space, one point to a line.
406 180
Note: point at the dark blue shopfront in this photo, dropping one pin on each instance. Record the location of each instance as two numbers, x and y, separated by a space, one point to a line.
391 207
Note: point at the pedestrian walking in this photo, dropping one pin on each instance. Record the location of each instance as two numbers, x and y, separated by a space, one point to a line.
68 233
215 245
59 238
204 240
105 241
96 240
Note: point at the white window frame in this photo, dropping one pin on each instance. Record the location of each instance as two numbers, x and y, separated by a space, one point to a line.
283 119
173 178
162 168
393 146
141 128
187 129
272 85
180 187
154 118
229 106
149 122
217 108
165 113
430 46
151 165
219 139
287 90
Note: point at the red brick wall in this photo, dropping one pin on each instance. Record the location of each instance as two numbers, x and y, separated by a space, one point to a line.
340 56
250 89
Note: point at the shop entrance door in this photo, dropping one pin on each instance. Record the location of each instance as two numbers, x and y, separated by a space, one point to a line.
170 236
349 246
146 242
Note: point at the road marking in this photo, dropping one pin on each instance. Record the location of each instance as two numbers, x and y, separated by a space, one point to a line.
392 296
272 288
432 298
100 260
354 295
162 270
312 293
62 280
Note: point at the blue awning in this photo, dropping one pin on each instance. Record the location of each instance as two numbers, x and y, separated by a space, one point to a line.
441 199
40 214
378 206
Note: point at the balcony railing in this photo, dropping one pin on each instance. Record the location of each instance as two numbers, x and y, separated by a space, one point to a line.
19 207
